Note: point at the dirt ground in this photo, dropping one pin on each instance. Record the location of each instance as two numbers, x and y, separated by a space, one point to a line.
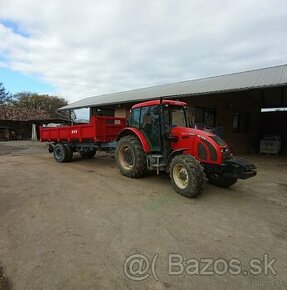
73 226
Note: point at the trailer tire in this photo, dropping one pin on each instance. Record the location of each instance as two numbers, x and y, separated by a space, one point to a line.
88 154
187 175
60 153
69 153
221 180
130 157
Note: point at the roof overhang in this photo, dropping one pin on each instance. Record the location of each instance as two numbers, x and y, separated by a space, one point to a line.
244 81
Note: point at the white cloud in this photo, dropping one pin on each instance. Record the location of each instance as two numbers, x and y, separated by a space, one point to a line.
92 47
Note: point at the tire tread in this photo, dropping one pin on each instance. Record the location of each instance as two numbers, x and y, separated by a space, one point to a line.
139 169
196 172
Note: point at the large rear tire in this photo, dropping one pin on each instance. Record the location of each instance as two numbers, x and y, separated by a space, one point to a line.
130 157
221 180
60 153
187 175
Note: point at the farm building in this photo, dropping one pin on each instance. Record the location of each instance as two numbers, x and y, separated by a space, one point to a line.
16 123
246 107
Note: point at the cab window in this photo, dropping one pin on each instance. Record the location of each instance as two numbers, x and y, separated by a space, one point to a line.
134 119
178 117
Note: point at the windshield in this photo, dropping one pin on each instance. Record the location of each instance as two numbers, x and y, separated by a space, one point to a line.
176 117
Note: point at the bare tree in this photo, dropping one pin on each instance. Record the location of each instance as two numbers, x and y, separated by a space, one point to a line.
5 96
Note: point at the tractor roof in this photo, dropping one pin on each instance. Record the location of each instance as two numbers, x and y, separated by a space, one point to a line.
158 102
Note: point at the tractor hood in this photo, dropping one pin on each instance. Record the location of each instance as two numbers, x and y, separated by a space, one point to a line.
190 131
205 146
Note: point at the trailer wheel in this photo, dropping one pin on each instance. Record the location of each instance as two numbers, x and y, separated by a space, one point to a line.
60 153
69 153
130 157
187 175
89 154
221 180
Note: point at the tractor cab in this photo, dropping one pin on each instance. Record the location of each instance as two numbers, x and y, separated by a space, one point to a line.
155 120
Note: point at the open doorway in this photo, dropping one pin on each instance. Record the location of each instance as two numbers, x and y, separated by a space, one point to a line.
274 129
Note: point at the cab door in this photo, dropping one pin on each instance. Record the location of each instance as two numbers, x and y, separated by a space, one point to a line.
150 126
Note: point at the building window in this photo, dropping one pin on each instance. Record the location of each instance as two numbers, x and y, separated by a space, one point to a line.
103 112
81 115
240 122
205 117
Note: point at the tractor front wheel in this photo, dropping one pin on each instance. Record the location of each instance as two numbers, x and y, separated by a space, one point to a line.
187 175
130 157
221 181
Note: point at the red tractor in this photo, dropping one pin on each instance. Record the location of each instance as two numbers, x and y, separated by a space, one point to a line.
160 137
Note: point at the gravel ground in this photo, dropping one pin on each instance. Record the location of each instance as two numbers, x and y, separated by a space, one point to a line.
73 226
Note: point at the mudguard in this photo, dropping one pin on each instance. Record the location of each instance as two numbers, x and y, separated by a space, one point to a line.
139 134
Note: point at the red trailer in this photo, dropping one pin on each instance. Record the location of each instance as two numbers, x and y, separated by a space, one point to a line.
99 134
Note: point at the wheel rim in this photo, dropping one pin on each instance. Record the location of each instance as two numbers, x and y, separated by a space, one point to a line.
180 176
58 153
126 157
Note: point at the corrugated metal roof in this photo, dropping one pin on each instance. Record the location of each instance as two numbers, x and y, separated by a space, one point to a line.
260 78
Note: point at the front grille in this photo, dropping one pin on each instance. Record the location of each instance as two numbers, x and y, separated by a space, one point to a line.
202 152
212 151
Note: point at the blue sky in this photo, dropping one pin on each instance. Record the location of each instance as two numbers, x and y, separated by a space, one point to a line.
15 27
16 82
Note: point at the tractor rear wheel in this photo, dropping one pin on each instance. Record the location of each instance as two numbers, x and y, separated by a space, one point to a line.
187 175
88 154
60 153
130 157
221 181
